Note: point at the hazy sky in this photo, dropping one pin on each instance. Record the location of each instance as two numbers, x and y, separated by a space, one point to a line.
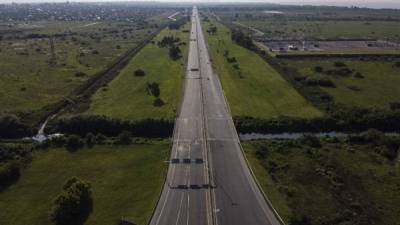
360 3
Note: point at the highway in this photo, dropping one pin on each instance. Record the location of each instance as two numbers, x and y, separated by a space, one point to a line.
208 181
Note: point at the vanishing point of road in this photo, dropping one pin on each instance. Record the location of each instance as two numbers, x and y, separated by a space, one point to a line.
208 181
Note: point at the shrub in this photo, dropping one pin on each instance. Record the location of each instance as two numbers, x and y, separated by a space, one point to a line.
395 105
80 74
125 138
90 139
12 127
397 64
319 69
359 75
154 89
100 138
74 203
74 142
339 64
139 73
9 173
310 140
175 52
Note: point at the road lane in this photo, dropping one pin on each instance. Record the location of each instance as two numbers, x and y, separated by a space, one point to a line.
208 180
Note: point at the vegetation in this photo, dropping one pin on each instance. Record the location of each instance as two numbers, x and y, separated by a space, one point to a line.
129 97
263 92
359 82
134 174
74 203
311 181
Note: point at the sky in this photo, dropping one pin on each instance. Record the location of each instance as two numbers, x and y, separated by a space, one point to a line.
359 3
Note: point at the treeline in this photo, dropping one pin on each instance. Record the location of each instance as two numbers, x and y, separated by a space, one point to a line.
341 120
12 127
82 125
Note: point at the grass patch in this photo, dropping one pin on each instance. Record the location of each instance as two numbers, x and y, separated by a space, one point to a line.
34 74
252 87
127 96
126 182
370 83
323 185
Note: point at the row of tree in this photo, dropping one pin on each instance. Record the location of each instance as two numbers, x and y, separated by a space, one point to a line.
81 125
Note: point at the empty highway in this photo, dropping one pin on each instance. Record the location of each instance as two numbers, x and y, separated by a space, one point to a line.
208 181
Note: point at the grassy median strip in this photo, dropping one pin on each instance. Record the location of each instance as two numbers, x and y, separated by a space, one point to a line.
125 182
252 87
130 96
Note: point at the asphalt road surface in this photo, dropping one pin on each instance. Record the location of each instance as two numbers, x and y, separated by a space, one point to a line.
208 181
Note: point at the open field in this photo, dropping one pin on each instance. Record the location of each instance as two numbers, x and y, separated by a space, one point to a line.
323 185
127 96
43 63
376 87
125 182
296 22
253 88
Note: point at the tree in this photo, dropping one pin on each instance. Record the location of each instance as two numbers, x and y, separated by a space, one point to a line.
74 203
125 138
139 73
90 140
154 89
174 52
74 142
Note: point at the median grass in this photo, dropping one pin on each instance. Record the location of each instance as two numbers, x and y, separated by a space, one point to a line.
253 87
127 97
376 87
324 185
125 183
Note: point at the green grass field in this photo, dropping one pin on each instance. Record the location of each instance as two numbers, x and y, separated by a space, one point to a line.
327 29
126 97
378 88
33 75
324 185
255 89
125 182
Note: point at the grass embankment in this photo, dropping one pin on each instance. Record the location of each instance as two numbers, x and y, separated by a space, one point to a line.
125 182
33 75
127 97
254 88
338 183
377 86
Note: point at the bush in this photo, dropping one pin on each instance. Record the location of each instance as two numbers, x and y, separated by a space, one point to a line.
397 64
340 64
310 140
139 73
90 139
359 75
74 203
125 138
175 52
73 143
319 69
9 173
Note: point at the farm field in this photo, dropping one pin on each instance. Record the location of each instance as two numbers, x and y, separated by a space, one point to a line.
253 88
43 62
128 96
366 83
125 182
323 185
327 29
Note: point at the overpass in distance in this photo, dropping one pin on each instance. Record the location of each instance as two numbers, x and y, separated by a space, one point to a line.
208 181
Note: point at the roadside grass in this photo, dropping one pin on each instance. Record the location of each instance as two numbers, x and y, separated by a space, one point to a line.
324 185
29 81
254 88
125 182
127 97
378 88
